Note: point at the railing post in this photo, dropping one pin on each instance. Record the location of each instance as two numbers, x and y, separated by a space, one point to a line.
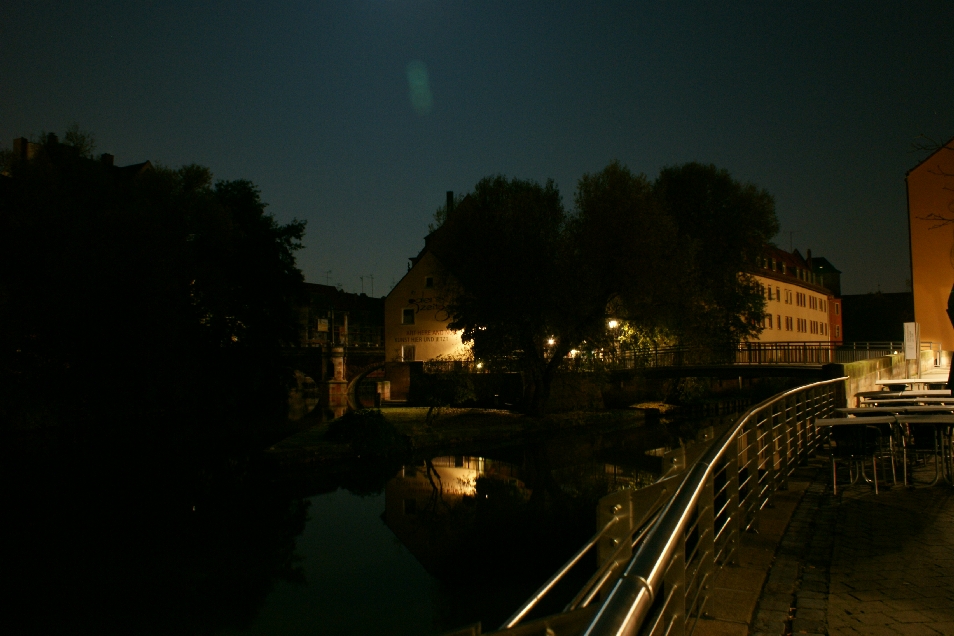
706 549
733 509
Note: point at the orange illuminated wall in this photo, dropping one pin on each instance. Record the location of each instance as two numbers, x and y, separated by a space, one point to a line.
930 202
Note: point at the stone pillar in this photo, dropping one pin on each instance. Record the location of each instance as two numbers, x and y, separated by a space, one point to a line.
337 361
335 391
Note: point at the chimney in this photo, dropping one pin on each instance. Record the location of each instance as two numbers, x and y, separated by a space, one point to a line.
106 158
450 202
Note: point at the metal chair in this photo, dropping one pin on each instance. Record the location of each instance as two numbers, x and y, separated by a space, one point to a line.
856 440
927 437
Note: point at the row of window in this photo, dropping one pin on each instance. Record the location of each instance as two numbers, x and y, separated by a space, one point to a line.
801 274
800 299
800 325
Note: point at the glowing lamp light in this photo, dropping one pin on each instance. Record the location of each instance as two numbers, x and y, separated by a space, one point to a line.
480 365
551 341
613 324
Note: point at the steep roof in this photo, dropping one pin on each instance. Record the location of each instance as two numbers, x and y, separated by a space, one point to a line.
821 264
947 145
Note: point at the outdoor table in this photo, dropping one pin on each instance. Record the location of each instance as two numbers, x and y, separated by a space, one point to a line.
878 394
908 400
893 393
904 382
917 409
922 409
871 411
862 425
942 425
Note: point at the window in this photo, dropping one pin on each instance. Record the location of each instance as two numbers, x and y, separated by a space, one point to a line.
784 268
778 321
768 321
428 281
408 353
407 317
837 329
770 292
837 310
778 294
773 264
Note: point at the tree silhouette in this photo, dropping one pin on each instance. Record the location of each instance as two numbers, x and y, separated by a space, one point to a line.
531 283
141 293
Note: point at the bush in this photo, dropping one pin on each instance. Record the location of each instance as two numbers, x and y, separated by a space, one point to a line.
368 432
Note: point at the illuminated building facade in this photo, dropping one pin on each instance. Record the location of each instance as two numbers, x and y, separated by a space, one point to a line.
798 308
931 231
416 316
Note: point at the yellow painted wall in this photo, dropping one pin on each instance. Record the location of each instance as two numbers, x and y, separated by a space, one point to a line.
783 305
429 334
932 248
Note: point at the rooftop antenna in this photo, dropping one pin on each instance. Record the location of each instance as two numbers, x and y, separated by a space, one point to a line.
328 276
371 276
362 283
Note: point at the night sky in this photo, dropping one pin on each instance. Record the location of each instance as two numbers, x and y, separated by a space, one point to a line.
358 116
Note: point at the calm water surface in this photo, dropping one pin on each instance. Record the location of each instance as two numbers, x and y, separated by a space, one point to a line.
420 548
359 578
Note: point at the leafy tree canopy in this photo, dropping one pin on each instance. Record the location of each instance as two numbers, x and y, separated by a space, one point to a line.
532 282
137 292
723 226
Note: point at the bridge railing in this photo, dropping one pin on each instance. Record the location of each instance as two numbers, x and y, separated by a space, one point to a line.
663 589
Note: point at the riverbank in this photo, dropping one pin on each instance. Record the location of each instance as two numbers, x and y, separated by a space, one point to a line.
449 428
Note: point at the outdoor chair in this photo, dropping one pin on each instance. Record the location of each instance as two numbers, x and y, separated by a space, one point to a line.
927 437
856 441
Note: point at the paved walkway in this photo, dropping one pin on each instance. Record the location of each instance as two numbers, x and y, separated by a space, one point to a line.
860 563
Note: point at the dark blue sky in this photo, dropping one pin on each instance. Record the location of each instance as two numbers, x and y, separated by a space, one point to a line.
358 116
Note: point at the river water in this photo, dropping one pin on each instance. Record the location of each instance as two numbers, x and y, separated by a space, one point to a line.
424 547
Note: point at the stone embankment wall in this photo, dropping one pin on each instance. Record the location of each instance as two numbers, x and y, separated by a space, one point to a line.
863 375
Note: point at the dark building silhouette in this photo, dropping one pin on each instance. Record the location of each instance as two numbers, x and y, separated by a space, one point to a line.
877 317
330 316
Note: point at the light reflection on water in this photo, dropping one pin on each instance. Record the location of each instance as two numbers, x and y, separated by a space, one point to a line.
451 541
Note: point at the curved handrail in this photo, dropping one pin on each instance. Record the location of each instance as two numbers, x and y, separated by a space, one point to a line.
630 601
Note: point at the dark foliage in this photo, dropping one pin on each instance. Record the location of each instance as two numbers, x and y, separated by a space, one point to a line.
443 389
722 226
368 432
135 299
531 282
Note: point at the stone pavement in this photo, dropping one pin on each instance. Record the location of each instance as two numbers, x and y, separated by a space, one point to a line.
860 563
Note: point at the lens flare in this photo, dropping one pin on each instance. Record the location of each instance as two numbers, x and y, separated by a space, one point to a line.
419 87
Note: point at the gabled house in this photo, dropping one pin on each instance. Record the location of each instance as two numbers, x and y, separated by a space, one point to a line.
415 313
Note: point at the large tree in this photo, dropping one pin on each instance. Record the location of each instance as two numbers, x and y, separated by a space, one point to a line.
137 294
722 227
531 282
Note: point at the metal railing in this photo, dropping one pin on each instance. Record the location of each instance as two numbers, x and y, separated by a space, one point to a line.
664 587
660 548
742 353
